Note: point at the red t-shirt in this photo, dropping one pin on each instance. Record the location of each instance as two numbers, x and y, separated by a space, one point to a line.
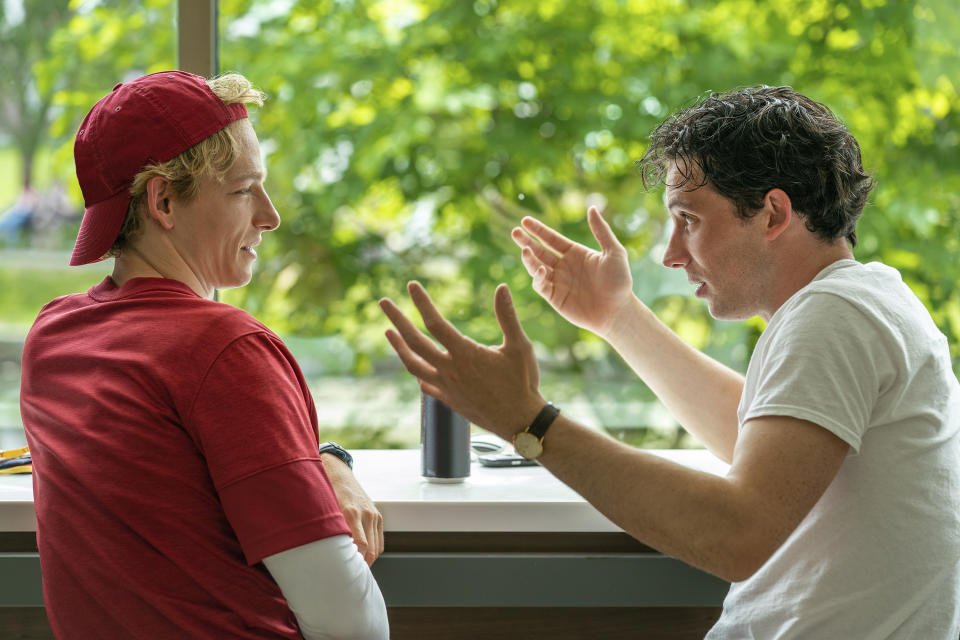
174 446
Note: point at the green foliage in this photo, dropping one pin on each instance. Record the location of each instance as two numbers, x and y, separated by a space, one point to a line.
10 165
61 56
405 138
26 97
358 437
27 282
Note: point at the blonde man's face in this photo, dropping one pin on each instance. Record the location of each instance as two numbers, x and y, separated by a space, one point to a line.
217 231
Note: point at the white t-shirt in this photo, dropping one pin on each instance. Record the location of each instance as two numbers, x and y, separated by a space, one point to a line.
878 556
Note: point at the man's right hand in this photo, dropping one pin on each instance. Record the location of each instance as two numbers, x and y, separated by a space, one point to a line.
588 288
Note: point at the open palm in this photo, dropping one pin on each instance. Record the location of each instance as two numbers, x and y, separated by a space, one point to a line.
585 286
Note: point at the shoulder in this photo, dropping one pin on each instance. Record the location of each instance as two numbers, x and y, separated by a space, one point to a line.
866 300
875 288
233 320
220 333
61 305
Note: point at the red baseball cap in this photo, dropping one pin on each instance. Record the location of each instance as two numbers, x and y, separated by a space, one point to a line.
149 120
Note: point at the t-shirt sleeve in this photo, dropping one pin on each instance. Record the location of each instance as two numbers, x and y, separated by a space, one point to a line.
254 421
826 365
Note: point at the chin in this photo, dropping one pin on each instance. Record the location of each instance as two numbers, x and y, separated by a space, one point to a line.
721 312
730 315
235 283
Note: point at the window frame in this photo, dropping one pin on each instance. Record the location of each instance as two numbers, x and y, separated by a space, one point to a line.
197 46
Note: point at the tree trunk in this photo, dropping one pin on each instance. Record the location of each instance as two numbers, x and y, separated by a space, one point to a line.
27 172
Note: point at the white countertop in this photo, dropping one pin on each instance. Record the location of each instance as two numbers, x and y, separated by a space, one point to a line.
508 499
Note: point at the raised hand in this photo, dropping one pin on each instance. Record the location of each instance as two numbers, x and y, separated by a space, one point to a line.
496 388
586 287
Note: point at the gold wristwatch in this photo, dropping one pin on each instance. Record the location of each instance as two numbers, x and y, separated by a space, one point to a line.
529 443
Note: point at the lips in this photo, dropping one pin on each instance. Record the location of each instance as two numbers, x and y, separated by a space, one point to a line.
700 286
249 248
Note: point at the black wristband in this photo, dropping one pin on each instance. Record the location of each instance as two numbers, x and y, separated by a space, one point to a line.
336 450
543 420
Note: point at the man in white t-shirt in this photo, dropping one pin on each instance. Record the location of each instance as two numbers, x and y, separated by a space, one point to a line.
840 515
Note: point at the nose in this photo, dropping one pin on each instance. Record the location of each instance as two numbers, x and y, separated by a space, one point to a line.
676 255
267 217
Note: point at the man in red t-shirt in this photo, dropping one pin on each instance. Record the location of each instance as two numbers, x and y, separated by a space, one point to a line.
180 487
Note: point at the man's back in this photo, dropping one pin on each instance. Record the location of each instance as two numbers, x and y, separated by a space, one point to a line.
879 555
158 458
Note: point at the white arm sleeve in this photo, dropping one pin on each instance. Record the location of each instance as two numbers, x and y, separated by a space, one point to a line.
330 590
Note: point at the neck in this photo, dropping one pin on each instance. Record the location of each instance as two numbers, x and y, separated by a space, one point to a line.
799 270
136 262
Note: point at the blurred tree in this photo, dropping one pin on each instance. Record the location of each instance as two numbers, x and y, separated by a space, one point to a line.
61 56
406 137
26 102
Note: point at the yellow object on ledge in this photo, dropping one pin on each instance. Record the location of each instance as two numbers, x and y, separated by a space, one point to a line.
16 461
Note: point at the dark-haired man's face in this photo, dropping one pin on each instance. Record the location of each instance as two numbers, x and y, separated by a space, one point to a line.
722 254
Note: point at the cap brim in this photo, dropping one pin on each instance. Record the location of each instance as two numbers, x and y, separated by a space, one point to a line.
100 227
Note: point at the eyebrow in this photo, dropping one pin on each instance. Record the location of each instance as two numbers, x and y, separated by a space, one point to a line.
678 202
252 175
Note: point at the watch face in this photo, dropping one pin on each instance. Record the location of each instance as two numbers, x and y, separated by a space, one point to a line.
528 445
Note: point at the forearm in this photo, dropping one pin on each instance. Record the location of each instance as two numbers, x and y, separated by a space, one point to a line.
696 517
362 516
330 590
701 393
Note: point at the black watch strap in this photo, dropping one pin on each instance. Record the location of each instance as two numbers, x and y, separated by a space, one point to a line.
543 420
336 450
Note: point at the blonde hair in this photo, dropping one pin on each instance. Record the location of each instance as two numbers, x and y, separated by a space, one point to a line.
211 156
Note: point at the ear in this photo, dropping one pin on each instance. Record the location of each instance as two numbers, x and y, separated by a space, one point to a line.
159 206
779 211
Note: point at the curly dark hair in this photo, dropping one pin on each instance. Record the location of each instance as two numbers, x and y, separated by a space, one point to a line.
750 140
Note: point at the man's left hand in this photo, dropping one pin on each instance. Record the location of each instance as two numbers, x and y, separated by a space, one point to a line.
496 388
362 516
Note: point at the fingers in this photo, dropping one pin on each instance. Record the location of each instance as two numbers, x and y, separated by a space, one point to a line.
513 333
419 355
366 527
536 257
560 243
534 250
537 260
381 545
373 531
413 363
602 231
547 236
542 283
445 333
530 261
434 391
412 341
352 516
359 512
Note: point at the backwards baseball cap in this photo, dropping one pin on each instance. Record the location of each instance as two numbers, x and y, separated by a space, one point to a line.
149 120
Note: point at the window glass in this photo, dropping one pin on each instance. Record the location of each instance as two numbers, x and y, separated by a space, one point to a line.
405 138
58 58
